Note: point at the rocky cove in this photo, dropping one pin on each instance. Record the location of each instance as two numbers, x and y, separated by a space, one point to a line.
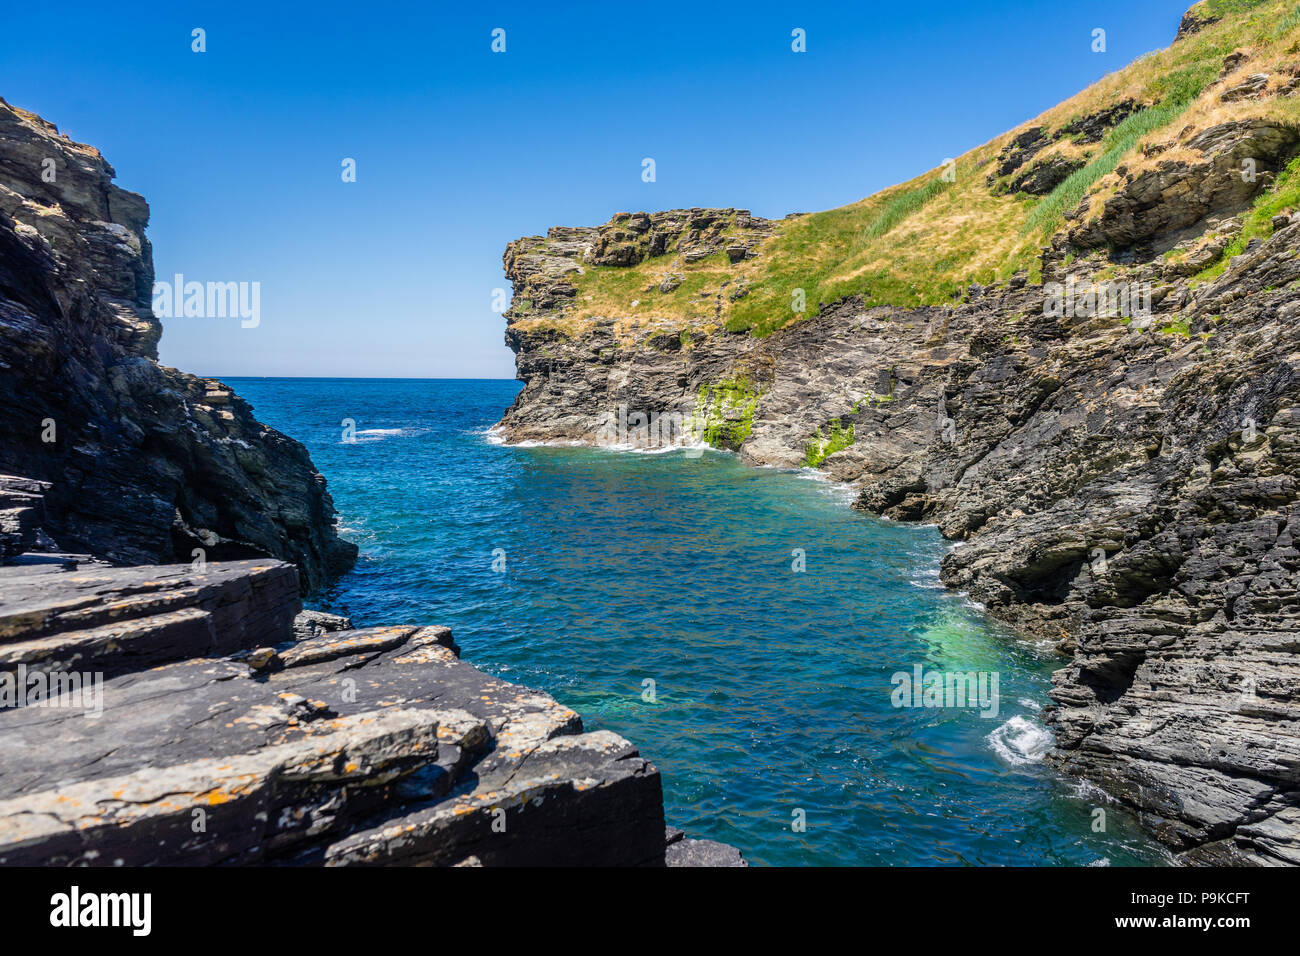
1126 490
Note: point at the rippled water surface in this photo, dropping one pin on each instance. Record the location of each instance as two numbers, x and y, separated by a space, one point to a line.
772 688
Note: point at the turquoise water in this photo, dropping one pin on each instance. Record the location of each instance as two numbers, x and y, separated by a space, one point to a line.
771 695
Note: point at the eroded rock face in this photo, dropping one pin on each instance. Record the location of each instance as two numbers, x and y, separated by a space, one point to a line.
1041 178
1196 19
1022 148
145 463
1159 207
1021 169
1126 492
60 612
1093 127
22 513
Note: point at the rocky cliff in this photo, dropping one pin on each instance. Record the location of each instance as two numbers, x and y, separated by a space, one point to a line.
144 463
1107 423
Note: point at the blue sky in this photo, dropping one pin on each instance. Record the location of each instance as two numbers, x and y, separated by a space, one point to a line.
460 150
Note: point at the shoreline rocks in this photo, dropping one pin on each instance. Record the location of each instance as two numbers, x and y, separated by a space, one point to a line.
201 718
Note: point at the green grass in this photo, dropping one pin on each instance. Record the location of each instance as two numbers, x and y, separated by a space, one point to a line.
872 400
1179 327
903 205
1223 8
1288 23
813 248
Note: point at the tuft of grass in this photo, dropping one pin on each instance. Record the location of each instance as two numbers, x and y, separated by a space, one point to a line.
1179 327
1287 23
903 205
820 448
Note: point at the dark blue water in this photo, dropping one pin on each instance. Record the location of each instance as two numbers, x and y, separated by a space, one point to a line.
771 695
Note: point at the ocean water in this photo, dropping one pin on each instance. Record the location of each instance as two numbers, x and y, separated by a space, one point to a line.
657 594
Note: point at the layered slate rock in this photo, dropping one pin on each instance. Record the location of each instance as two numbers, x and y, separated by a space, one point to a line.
146 464
221 735
1156 208
22 512
283 759
107 619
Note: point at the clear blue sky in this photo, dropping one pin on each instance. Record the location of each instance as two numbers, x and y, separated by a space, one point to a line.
460 150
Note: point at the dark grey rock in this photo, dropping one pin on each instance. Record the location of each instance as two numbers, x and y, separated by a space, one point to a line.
316 623
1161 206
1042 177
58 615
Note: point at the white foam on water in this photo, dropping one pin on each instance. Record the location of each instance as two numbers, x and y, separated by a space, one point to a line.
1044 645
495 435
379 434
497 438
1021 741
654 450
1087 791
927 578
842 491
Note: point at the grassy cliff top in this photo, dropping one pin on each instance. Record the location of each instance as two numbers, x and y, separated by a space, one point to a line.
977 219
